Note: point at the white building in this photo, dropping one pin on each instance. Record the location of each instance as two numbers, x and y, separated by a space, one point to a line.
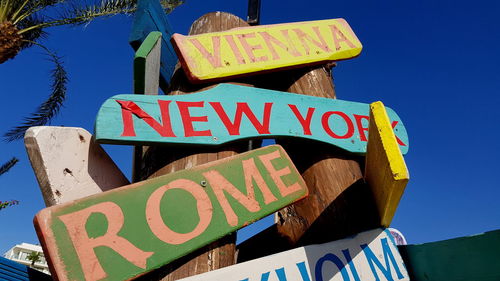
20 253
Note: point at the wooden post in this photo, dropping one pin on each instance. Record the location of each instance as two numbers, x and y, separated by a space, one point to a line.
339 202
160 160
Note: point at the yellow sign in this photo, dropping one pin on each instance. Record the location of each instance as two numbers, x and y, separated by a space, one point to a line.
239 51
385 167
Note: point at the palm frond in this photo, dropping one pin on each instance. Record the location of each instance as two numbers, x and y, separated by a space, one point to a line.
32 7
49 108
8 165
34 34
77 14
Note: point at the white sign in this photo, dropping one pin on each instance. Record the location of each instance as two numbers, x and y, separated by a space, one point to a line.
370 255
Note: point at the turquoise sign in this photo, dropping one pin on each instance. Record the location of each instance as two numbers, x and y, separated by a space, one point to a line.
230 112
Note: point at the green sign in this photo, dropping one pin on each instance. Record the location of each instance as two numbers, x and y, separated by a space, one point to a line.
128 231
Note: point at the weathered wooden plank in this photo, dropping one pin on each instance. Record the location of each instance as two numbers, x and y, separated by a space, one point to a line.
146 81
149 17
242 51
129 231
231 112
69 164
147 65
371 255
385 168
466 258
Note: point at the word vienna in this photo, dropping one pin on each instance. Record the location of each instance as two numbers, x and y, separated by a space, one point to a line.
371 255
229 112
128 231
245 50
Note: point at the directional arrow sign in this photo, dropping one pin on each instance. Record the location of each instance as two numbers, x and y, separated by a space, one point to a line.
230 112
128 231
245 50
371 255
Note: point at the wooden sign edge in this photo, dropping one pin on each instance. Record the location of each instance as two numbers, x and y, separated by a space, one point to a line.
380 124
55 262
182 55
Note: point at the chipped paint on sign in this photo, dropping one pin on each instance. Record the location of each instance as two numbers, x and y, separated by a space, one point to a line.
245 50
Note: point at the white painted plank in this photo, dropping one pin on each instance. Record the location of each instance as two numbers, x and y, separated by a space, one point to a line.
69 164
373 255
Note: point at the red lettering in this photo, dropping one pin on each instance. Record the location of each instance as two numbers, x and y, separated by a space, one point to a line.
359 123
249 49
129 108
234 48
350 126
303 36
214 58
187 119
270 40
306 123
393 125
339 37
233 128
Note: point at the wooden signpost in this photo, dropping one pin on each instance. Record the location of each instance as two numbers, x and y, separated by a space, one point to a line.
128 231
371 255
230 112
385 167
242 51
69 164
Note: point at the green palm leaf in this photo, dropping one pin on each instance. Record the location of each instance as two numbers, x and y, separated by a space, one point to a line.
8 165
50 107
30 17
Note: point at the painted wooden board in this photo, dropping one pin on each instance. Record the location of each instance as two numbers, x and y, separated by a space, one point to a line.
230 112
147 65
128 231
69 164
385 167
149 17
371 255
473 257
245 50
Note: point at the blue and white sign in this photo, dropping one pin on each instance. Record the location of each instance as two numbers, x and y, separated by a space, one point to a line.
370 255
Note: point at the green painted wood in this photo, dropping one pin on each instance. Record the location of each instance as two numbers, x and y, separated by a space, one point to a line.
461 259
149 17
230 112
147 65
128 231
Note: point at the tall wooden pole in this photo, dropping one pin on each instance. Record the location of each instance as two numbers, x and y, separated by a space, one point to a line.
160 160
339 202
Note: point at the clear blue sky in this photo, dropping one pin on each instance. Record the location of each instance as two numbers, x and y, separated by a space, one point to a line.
435 62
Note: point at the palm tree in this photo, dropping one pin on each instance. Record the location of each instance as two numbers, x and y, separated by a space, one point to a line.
23 24
4 169
34 257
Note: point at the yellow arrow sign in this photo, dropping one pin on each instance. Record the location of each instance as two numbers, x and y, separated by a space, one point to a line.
213 56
